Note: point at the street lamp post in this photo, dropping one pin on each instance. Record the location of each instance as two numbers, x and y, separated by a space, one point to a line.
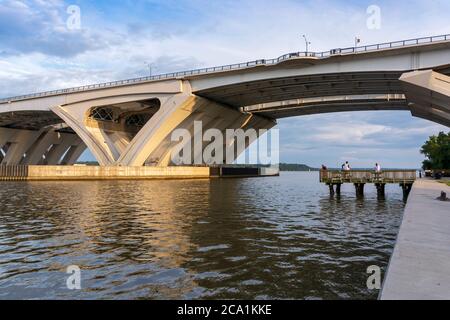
150 67
307 43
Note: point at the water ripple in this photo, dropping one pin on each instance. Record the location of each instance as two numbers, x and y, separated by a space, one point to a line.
281 238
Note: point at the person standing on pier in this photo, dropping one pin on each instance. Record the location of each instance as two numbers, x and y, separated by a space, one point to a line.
377 168
346 166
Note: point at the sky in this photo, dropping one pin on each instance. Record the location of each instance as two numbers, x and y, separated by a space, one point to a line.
42 48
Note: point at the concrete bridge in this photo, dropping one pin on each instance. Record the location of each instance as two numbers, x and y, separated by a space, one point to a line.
129 123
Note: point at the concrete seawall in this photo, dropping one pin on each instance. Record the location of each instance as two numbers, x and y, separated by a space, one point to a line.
420 264
33 173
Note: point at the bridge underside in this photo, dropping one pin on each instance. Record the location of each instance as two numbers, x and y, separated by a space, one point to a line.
39 141
309 106
304 87
424 93
428 94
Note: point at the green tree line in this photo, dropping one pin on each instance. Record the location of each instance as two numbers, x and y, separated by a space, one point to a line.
437 152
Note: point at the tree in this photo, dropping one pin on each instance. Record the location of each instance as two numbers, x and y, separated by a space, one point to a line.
437 151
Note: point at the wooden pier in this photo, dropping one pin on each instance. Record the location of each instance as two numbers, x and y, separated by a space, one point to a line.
359 178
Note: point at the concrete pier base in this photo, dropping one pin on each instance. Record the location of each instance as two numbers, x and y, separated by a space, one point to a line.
419 267
32 173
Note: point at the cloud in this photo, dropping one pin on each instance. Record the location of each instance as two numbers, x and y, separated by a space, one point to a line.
118 37
39 27
352 134
390 137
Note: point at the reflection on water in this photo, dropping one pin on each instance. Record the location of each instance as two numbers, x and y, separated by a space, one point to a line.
257 238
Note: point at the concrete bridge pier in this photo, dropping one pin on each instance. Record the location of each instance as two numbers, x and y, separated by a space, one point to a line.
15 144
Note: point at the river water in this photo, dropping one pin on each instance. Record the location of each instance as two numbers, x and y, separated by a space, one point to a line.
261 238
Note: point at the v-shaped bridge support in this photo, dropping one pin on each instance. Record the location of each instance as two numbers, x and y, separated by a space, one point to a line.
112 145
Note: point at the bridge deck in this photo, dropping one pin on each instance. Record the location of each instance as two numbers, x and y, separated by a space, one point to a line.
368 176
387 46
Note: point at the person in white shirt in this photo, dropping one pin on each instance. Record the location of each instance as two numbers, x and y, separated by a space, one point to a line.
377 168
346 166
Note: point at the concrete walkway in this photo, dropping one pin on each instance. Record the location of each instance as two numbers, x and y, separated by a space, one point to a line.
420 265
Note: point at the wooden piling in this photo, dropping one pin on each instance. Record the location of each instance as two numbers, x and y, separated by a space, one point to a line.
381 187
338 188
359 187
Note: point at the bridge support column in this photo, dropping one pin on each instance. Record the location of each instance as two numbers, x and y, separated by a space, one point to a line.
39 148
73 154
18 141
74 117
158 130
57 154
153 144
109 139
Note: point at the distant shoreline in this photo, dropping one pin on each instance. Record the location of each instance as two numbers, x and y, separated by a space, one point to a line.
296 167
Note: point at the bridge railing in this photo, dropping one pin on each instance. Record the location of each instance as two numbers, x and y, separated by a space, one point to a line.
368 176
237 66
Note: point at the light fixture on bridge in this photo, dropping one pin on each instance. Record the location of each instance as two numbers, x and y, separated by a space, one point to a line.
150 67
307 43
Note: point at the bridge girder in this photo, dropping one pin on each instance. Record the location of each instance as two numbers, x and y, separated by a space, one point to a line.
428 94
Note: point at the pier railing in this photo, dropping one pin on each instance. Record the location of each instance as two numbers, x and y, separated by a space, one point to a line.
13 173
368 176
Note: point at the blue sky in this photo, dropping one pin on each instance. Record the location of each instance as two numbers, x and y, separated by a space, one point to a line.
38 52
